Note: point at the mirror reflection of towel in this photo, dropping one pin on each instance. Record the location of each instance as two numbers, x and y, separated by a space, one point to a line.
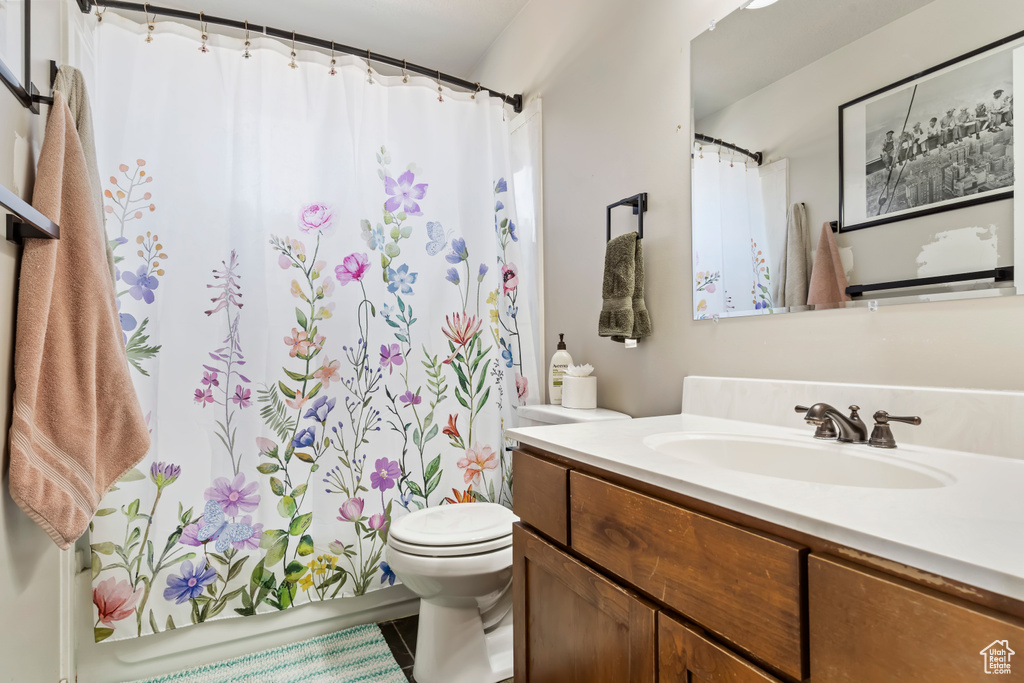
794 276
828 279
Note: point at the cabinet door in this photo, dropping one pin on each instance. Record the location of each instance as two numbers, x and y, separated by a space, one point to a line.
573 625
867 626
685 655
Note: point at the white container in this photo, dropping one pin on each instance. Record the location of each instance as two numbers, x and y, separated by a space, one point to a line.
560 362
579 392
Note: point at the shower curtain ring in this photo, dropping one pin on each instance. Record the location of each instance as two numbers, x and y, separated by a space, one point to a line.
369 69
247 54
205 36
99 13
473 96
440 97
405 74
333 71
149 24
293 64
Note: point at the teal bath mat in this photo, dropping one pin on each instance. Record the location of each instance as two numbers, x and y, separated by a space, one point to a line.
356 655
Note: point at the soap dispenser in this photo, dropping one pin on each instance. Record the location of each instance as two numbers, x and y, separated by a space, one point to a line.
560 362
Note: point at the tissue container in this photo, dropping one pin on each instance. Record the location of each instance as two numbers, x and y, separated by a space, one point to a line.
579 392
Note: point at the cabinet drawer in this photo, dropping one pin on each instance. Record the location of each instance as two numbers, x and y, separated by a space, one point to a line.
573 625
685 654
542 495
867 626
746 587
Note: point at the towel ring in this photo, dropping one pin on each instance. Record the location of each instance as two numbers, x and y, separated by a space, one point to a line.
639 204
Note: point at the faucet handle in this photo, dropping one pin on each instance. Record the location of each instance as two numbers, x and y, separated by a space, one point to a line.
882 417
853 412
801 409
881 435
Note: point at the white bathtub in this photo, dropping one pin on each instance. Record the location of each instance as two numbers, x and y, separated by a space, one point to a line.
163 653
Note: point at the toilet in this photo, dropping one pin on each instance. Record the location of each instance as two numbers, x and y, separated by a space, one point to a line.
458 560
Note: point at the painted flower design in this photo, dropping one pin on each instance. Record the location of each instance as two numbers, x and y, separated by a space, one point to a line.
404 194
509 277
374 237
328 372
305 438
390 356
459 252
482 272
164 474
385 474
401 279
351 510
115 600
377 521
234 495
386 575
320 409
191 582
452 276
452 429
410 399
478 458
203 396
522 387
316 219
141 284
352 269
302 345
297 402
460 328
506 353
461 496
242 397
513 231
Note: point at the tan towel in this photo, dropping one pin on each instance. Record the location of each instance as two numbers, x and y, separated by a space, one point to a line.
77 425
71 84
828 279
794 276
641 317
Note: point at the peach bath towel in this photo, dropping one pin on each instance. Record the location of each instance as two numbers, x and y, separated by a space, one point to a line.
828 279
77 426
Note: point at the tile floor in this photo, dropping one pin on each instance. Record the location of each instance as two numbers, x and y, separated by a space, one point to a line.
400 635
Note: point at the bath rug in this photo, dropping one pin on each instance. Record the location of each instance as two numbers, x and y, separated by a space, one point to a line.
355 655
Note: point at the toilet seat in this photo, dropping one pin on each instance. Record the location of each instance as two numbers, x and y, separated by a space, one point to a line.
454 530
450 550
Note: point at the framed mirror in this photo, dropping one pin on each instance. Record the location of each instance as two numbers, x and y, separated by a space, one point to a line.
854 152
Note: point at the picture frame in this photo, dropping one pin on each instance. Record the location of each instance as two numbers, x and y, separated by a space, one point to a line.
15 48
936 141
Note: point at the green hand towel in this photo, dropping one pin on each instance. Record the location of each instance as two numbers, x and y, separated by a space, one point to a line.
617 289
641 318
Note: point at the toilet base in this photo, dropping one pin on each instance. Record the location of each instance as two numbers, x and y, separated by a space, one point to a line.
452 647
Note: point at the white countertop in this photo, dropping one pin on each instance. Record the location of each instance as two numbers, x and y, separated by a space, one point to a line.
970 530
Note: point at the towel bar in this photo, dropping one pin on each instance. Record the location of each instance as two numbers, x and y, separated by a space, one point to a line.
24 220
1002 274
639 204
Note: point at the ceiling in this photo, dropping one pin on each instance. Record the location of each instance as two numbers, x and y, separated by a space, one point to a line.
751 49
450 35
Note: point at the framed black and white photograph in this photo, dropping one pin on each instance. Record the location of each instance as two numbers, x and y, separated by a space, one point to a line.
937 141
13 43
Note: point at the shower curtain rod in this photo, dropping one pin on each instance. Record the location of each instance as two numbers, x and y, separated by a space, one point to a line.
707 139
515 100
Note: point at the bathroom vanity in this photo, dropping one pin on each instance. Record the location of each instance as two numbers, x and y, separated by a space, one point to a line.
636 562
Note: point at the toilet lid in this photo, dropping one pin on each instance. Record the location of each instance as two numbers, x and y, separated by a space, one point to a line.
454 525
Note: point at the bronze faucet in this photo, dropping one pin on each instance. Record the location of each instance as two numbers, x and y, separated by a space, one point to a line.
850 429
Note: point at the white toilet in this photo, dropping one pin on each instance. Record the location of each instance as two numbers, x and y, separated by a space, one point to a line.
458 560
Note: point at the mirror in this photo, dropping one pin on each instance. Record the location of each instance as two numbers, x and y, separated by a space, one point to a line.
892 120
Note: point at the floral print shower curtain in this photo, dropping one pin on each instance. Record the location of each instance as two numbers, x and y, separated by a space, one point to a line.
318 287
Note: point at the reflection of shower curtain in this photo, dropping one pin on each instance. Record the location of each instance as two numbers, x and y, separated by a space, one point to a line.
739 233
319 289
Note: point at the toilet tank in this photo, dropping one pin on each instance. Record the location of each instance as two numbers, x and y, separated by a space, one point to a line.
540 415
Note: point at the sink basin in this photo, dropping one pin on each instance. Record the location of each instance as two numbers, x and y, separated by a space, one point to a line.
819 462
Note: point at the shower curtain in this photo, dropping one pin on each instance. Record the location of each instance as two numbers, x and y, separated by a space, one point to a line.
320 295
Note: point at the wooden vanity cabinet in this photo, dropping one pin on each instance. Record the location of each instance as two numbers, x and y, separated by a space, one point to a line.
614 583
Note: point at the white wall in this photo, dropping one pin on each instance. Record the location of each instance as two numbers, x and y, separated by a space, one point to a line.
29 561
616 122
795 118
